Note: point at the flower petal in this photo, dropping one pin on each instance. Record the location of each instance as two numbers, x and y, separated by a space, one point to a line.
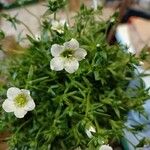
89 134
58 26
20 113
54 23
105 147
57 63
60 31
13 92
26 92
92 129
62 22
73 44
56 50
71 65
8 105
30 105
80 54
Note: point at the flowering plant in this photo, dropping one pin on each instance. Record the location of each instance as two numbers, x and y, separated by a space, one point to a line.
79 95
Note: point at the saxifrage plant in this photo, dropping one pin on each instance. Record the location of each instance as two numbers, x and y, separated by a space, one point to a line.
77 84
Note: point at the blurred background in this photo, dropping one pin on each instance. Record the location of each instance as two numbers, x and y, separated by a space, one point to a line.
133 18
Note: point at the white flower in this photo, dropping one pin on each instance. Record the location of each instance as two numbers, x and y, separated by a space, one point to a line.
97 45
95 3
18 101
66 56
105 147
89 131
58 26
38 37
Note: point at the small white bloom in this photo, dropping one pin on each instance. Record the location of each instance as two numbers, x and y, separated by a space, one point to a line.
105 147
141 63
66 56
58 26
90 131
95 3
18 101
97 45
38 37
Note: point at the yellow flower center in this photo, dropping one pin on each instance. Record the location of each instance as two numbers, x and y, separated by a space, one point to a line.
67 53
21 100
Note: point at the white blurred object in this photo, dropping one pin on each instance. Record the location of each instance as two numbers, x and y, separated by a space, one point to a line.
97 3
145 4
134 118
89 131
58 25
122 35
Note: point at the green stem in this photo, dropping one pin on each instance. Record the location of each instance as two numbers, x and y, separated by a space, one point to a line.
63 145
67 15
37 18
87 104
32 14
26 27
97 125
22 126
55 16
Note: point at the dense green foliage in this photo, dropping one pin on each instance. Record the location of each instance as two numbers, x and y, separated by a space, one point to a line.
96 95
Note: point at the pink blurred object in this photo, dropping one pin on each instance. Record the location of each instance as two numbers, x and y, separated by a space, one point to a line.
7 2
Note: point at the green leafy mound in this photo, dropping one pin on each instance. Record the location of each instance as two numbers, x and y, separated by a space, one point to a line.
96 95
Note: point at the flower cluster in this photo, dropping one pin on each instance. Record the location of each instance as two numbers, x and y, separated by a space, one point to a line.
65 57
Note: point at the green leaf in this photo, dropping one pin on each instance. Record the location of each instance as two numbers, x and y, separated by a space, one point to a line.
2 34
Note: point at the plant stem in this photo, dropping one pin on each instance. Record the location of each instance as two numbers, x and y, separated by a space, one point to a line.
55 16
87 104
32 14
97 125
22 126
67 15
26 27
